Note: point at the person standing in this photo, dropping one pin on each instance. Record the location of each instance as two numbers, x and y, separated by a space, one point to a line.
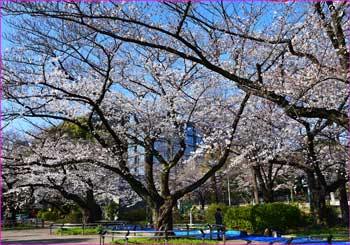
218 222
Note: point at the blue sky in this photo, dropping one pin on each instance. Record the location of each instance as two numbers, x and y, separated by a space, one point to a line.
18 125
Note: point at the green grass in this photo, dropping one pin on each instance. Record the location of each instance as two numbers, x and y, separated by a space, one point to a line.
322 232
78 231
319 231
161 241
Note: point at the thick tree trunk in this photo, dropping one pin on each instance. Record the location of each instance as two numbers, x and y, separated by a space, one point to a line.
163 216
311 193
91 213
344 206
268 195
91 210
317 199
321 208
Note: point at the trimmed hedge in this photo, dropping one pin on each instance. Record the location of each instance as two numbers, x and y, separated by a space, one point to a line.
278 216
210 212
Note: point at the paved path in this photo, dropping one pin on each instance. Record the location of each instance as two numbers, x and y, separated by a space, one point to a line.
41 236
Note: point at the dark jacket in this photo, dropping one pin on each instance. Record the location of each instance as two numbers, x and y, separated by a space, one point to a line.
218 218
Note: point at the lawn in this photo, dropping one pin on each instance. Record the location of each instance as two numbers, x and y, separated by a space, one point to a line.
161 241
339 233
319 231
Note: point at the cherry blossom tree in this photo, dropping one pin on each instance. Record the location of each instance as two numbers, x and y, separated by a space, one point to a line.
142 73
128 98
292 54
37 167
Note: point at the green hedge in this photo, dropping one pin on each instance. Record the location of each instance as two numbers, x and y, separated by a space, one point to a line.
210 212
239 218
257 218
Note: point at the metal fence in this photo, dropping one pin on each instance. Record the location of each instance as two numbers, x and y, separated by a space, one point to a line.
165 234
37 223
83 226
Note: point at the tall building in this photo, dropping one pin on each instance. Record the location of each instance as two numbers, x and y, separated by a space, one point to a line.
166 147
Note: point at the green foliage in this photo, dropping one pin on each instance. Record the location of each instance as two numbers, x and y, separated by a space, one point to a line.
239 218
257 218
78 231
76 132
210 212
133 215
331 216
48 215
71 215
161 241
112 210
74 216
307 219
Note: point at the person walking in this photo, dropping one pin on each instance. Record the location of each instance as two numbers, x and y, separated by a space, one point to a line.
218 222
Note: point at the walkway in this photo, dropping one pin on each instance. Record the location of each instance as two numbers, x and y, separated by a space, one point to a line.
41 236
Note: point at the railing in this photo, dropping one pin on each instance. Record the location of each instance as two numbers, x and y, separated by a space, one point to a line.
83 226
165 234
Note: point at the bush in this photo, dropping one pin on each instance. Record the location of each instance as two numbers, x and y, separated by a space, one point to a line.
74 216
48 215
210 212
78 231
112 210
307 219
239 218
331 216
257 218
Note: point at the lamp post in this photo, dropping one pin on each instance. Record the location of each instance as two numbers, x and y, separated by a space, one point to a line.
228 190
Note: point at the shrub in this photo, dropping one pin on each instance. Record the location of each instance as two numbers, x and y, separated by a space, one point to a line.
210 212
257 218
48 215
74 216
239 218
112 210
331 216
276 216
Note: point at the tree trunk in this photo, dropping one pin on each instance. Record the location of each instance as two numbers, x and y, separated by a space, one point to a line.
91 213
344 206
255 187
215 188
321 208
317 199
268 195
201 197
163 216
91 210
311 193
